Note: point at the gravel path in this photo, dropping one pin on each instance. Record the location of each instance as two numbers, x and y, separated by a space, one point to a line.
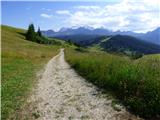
61 94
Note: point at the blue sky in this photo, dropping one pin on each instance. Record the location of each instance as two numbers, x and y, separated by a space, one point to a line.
114 14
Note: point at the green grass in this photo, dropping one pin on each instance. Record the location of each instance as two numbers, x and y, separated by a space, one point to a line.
21 59
135 82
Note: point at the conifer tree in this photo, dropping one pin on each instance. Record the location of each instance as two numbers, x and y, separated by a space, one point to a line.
39 32
30 35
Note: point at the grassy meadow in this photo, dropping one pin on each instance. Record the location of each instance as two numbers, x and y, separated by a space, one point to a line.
21 59
135 82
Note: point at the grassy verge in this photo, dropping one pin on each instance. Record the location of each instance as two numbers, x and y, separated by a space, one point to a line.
135 82
21 60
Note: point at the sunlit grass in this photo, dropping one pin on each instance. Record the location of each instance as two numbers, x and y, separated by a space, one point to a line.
135 82
21 59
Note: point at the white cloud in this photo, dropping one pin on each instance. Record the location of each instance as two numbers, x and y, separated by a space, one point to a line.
63 12
139 16
46 9
87 7
45 15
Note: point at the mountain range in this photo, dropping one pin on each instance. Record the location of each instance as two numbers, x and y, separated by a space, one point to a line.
70 33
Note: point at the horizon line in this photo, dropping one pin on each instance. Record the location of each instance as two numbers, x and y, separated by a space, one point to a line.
79 27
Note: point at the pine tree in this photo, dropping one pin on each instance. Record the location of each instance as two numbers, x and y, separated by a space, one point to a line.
30 35
39 32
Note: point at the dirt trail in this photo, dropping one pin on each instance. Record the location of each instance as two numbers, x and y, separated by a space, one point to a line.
61 94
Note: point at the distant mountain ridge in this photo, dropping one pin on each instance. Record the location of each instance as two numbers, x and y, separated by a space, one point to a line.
152 36
125 43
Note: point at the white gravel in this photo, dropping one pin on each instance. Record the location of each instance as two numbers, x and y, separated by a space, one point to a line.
61 94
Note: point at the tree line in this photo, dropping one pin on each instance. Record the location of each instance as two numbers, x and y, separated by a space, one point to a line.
37 37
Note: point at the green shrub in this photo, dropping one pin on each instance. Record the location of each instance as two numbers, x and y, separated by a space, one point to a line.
80 49
136 55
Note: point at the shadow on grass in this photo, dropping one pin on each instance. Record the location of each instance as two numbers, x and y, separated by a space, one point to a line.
23 34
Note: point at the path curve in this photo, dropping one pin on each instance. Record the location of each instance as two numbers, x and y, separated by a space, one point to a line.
61 94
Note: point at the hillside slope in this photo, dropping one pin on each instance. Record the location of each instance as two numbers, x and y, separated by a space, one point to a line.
151 36
123 43
20 61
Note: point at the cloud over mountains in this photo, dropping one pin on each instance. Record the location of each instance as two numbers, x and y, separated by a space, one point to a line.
133 15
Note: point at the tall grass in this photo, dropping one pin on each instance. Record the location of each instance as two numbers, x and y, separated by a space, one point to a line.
135 82
21 59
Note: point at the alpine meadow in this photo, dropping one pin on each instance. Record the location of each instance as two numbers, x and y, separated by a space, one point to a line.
80 60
